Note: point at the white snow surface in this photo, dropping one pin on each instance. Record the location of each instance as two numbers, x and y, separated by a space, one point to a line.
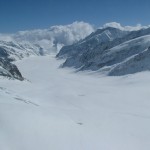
57 109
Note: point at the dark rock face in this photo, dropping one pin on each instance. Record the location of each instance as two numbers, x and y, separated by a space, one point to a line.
3 53
9 70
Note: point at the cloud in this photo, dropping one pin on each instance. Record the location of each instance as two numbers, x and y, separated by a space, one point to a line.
5 37
53 38
71 33
56 36
125 28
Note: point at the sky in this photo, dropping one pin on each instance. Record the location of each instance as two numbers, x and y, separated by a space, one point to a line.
19 15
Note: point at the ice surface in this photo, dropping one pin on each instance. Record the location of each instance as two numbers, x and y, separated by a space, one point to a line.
57 109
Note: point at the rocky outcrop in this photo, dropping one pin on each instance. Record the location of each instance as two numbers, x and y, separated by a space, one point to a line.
9 70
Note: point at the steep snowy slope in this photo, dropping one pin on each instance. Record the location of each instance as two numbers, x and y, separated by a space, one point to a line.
60 110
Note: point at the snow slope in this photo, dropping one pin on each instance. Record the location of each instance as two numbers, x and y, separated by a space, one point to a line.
56 109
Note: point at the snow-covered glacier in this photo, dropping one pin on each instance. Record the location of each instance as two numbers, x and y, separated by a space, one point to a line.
61 110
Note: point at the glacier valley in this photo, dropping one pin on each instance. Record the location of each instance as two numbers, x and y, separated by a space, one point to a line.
94 95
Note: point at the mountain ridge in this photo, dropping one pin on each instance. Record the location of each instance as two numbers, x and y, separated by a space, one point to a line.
106 53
